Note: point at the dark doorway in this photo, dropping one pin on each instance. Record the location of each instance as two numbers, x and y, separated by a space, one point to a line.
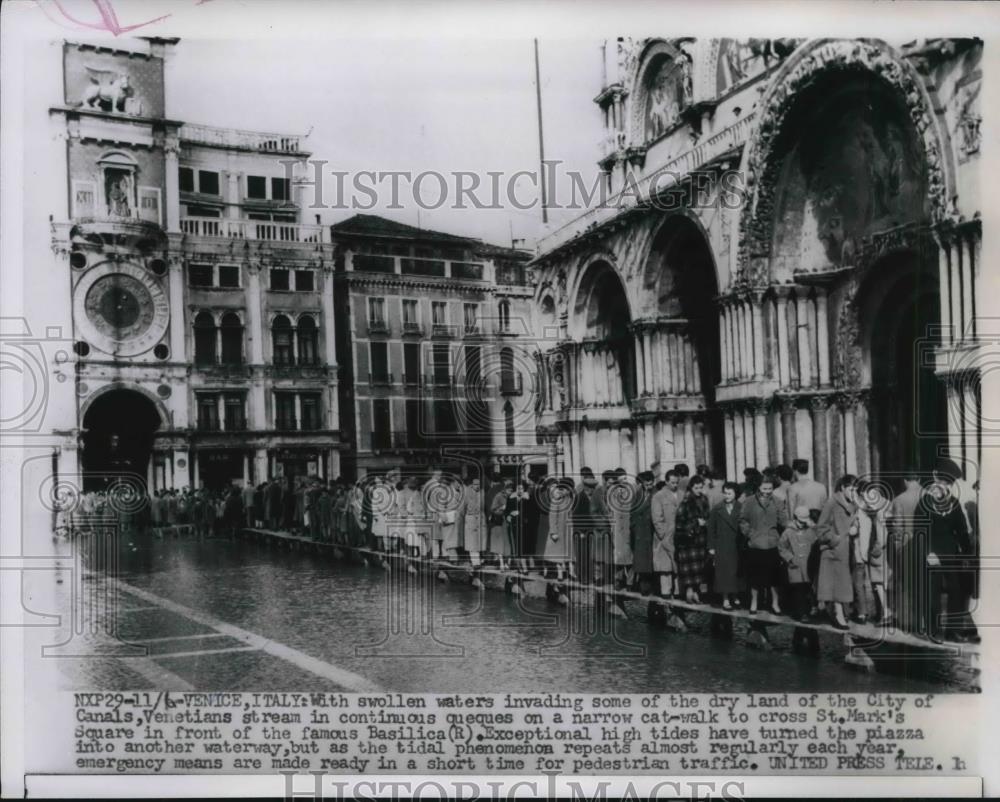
908 420
118 437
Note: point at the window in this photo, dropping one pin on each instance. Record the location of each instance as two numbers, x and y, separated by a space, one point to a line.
473 365
310 404
279 279
279 189
208 182
208 413
235 418
308 337
471 313
186 179
439 313
229 276
440 363
281 336
411 315
201 276
232 339
414 423
381 423
376 314
149 204
411 363
508 419
257 187
284 411
304 281
204 339
504 313
379 363
193 210
507 374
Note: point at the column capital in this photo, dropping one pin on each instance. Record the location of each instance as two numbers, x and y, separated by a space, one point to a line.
759 406
788 403
819 403
781 292
850 399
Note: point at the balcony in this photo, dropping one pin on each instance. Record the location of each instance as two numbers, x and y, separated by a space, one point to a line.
437 379
511 384
230 425
442 330
257 141
415 266
378 327
255 230
380 379
412 329
472 330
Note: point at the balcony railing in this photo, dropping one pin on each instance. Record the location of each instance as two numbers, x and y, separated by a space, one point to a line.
378 327
380 379
412 328
258 230
416 266
234 138
438 379
209 425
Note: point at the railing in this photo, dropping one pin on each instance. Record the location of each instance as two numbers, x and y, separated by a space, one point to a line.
411 378
209 426
422 267
412 328
472 329
235 138
442 330
380 379
438 379
417 266
286 424
263 230
378 327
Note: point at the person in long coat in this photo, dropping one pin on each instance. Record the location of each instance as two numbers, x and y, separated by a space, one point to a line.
471 516
498 543
621 495
642 534
833 533
906 563
447 516
762 520
558 551
725 546
664 511
691 540
522 522
601 547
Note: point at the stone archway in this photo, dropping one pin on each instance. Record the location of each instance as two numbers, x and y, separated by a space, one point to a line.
118 436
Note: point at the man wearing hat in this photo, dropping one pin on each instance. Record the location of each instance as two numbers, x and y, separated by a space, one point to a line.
950 560
583 524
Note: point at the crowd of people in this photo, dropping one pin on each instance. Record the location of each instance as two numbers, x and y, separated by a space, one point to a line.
775 542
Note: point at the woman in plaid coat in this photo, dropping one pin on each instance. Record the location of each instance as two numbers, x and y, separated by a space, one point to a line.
691 540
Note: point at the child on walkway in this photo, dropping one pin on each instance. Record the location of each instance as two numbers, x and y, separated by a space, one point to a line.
794 546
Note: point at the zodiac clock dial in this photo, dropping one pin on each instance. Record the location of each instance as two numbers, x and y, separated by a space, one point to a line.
121 309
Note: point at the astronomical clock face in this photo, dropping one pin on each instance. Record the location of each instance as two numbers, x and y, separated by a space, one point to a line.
121 309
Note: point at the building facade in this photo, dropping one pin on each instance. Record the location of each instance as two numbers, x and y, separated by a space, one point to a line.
201 301
788 264
435 331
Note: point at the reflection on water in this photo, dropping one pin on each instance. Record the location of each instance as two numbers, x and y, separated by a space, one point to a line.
437 637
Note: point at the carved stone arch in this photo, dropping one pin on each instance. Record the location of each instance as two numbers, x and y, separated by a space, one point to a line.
753 229
652 56
150 396
673 221
593 269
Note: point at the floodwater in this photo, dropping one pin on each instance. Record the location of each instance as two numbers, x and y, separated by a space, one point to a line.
410 633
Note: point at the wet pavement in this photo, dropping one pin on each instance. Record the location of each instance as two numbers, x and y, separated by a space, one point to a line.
237 615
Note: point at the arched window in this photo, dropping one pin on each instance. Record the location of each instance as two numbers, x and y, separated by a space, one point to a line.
204 339
508 419
308 337
232 339
281 339
507 375
504 310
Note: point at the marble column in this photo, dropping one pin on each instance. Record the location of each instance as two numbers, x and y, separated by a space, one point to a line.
762 458
848 403
640 373
784 368
650 436
647 357
730 435
758 337
657 361
957 291
822 337
964 246
788 444
739 462
802 338
723 345
821 458
944 282
731 355
175 287
700 454
171 179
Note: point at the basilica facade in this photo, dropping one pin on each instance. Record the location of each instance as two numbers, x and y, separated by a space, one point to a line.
786 264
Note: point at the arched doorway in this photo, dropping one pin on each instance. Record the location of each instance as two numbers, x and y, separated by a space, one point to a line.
602 316
680 280
908 409
118 437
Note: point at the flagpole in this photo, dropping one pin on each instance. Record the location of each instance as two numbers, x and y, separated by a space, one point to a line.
541 138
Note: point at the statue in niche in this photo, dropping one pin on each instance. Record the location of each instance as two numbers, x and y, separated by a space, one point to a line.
665 96
118 188
108 90
558 378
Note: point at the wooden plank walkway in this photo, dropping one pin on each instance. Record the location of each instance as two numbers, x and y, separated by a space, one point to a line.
857 639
